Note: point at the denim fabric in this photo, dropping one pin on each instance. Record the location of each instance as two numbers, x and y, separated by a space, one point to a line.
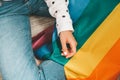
16 54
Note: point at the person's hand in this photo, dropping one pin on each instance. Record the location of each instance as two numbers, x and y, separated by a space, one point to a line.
68 43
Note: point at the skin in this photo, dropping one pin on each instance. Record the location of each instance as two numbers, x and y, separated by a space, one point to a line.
66 37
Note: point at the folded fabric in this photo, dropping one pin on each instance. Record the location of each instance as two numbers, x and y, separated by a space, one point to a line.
43 48
41 43
97 31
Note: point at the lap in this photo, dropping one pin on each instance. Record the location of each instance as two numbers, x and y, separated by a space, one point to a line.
37 7
16 55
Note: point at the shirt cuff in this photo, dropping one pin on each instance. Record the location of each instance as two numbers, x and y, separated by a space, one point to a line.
64 27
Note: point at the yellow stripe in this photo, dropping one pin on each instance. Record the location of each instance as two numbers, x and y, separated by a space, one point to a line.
95 48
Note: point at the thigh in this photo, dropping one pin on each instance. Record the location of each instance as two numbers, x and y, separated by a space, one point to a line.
16 55
39 7
14 7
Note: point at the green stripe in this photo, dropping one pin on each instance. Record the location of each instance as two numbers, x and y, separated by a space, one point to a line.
91 18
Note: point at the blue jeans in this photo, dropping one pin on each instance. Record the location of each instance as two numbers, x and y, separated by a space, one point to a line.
16 55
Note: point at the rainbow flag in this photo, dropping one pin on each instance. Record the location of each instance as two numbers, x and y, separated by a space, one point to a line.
97 31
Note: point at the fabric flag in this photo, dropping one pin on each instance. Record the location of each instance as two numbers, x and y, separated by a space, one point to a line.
97 31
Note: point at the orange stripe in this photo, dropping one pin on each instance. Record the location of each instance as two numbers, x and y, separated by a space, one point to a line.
95 48
109 67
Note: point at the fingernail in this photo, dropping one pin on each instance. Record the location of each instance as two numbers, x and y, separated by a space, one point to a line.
65 53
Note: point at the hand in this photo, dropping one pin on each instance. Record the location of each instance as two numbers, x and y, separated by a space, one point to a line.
68 43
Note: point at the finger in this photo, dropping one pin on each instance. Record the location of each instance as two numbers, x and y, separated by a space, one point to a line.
69 55
73 46
72 50
64 53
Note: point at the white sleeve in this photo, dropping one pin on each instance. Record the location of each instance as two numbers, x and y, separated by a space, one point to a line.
59 10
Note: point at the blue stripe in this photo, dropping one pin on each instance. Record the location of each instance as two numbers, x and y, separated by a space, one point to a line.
76 7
